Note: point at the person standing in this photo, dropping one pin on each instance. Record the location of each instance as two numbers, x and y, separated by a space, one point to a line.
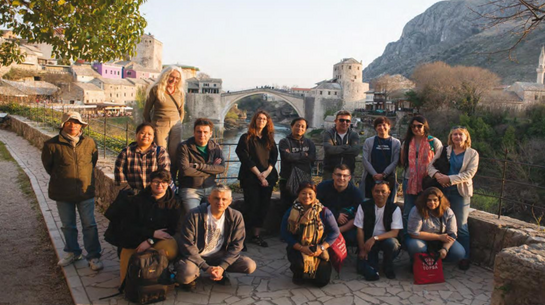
458 183
200 160
70 158
380 157
417 151
258 154
341 145
164 106
296 153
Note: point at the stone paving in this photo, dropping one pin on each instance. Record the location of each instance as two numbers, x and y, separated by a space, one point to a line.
270 284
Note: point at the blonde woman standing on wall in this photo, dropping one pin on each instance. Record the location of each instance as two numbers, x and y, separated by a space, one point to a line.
165 104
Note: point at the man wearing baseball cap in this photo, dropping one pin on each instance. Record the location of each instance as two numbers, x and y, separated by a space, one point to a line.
69 158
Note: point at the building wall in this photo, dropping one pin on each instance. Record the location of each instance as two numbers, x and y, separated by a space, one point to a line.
117 93
354 91
93 96
348 72
109 71
149 53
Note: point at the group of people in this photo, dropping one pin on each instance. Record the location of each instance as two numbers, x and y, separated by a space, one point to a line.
196 227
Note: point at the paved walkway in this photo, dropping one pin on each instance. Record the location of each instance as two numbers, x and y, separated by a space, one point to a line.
270 284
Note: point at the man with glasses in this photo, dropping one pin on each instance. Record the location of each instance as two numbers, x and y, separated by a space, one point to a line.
378 222
341 145
200 160
342 198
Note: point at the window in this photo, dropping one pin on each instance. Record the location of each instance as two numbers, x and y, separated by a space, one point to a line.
214 85
128 72
355 77
358 68
328 92
350 67
320 92
335 92
110 95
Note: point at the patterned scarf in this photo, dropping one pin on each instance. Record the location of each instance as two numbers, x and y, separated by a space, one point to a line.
308 225
417 173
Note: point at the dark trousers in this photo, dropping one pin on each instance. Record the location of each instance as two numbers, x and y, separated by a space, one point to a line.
390 250
323 273
286 197
256 205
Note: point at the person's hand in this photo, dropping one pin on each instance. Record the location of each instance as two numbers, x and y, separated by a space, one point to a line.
443 253
217 161
263 181
306 250
378 177
362 254
342 219
143 246
444 180
161 234
446 238
369 244
318 252
288 150
215 273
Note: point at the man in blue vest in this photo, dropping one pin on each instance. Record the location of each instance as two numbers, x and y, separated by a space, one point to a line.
378 223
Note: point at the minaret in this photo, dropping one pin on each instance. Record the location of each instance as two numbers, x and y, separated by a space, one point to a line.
541 67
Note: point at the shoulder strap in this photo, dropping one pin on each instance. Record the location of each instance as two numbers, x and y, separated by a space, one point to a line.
173 100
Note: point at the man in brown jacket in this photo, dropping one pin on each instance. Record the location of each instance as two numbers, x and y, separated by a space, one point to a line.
69 159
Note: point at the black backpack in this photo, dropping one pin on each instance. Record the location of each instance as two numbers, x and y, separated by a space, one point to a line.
147 277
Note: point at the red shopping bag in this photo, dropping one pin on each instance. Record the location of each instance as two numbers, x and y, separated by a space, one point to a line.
338 253
428 269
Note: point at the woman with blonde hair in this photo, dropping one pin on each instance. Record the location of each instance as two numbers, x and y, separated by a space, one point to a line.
165 104
458 182
258 154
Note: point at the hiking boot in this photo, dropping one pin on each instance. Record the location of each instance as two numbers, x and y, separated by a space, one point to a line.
96 264
69 258
259 241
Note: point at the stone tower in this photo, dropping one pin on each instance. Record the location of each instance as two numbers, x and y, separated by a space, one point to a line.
541 66
348 73
149 52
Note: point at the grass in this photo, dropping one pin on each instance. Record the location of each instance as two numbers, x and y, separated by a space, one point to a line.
4 153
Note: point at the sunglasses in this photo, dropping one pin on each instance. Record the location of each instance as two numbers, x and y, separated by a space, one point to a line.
377 182
458 127
417 126
344 120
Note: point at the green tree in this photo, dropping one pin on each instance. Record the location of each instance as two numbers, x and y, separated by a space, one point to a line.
415 99
99 30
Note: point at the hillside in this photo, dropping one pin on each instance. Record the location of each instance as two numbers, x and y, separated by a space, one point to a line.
451 31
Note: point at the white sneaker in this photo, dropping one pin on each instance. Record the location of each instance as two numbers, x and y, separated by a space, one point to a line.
96 264
69 258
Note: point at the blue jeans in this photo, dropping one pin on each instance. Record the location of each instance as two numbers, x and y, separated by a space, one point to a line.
460 207
409 202
455 253
86 210
192 198
390 250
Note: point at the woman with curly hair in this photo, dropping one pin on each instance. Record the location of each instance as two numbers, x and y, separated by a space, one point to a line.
258 154
164 106
432 224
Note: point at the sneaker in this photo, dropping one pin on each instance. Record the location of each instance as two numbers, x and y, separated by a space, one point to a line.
463 264
259 241
96 264
69 258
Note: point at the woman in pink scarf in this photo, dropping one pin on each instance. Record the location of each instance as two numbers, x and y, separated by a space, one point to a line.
417 152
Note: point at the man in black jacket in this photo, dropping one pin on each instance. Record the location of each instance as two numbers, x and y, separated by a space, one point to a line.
341 145
200 160
210 239
378 223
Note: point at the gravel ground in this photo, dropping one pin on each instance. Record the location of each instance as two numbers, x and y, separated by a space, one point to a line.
29 271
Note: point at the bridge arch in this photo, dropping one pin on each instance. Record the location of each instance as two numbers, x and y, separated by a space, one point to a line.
229 99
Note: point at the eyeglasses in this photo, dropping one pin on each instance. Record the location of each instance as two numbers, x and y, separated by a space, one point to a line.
417 126
157 183
344 120
458 127
377 182
342 176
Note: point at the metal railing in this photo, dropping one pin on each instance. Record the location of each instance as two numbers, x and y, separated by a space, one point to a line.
111 138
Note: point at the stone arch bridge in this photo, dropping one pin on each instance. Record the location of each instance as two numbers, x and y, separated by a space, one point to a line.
216 106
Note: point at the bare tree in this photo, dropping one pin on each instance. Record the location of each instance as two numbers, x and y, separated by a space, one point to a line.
522 17
440 85
390 83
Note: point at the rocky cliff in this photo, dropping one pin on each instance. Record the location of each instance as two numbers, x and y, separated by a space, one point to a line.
452 32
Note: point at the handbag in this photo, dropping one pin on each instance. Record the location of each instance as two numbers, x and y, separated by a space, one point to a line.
428 269
442 164
338 253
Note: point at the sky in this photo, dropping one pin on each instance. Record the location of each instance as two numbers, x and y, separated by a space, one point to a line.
250 43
